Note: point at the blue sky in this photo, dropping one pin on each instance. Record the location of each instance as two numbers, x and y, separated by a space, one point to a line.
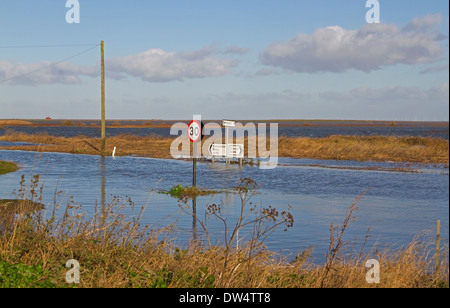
230 59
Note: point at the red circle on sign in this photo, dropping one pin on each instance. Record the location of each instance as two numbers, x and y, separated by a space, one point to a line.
194 131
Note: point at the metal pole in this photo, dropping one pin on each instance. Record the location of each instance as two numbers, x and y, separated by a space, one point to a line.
227 159
103 99
194 167
194 159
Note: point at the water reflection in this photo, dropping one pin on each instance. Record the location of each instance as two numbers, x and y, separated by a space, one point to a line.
194 220
103 184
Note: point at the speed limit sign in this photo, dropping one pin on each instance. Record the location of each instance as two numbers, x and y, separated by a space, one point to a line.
194 131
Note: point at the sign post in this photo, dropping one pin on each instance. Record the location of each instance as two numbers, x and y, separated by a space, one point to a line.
227 124
195 135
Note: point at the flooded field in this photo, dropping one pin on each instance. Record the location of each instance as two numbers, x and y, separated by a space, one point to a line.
396 206
315 129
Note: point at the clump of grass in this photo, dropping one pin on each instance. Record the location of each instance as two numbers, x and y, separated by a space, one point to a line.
7 167
22 276
178 191
67 123
39 138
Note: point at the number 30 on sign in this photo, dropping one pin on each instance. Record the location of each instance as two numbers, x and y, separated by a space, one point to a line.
195 131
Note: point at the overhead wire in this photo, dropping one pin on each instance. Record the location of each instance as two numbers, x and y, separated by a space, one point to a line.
47 46
52 64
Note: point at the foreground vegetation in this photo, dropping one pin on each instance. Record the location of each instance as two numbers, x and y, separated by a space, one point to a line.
117 252
425 150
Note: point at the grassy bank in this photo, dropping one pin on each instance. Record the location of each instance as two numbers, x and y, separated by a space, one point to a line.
7 167
360 148
153 146
368 148
118 252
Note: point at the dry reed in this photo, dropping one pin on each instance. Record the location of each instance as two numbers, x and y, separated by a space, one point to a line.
360 148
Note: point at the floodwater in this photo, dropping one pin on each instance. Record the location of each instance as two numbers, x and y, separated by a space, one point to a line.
396 206
291 129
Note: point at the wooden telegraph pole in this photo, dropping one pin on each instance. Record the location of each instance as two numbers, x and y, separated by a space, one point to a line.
103 100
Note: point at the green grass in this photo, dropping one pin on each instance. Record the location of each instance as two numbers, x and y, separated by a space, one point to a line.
178 191
23 276
7 167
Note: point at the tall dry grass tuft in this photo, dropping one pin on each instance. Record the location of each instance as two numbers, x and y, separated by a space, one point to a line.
254 222
337 244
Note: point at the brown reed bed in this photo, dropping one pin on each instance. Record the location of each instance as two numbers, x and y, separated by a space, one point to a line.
368 148
425 150
151 146
360 148
116 251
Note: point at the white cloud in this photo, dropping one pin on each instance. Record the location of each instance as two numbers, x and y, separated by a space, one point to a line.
153 65
334 49
44 73
157 65
236 50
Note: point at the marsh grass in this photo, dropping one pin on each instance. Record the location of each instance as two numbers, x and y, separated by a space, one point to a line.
179 192
115 250
407 149
368 148
7 167
151 146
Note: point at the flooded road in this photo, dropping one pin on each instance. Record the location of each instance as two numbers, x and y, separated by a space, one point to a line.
396 206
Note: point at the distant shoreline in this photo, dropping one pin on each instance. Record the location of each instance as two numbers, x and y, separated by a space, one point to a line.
168 123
